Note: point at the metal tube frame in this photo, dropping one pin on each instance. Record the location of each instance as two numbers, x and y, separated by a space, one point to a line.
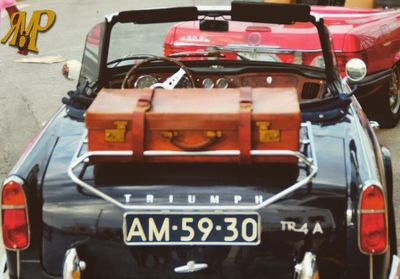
309 162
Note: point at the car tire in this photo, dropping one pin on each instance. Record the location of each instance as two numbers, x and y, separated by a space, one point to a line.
388 110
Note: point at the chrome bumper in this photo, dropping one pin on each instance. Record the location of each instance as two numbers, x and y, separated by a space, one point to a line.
395 269
72 267
307 269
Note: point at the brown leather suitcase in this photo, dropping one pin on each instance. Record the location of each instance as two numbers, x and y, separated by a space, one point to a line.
195 120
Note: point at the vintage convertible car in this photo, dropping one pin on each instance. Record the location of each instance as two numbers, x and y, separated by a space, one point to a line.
326 213
371 35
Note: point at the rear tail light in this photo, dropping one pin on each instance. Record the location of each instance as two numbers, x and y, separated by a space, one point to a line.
15 225
167 49
372 221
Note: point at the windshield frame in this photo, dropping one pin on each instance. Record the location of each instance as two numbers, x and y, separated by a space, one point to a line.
240 11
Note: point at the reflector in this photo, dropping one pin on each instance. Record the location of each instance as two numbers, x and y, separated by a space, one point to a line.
372 198
13 194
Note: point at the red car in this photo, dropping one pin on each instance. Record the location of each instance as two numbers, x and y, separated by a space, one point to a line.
371 35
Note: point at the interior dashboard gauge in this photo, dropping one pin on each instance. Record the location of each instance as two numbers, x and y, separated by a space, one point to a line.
208 83
222 83
145 81
184 83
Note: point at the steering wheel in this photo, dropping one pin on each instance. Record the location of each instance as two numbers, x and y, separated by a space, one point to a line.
169 83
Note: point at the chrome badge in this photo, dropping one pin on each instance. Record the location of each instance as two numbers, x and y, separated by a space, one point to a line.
191 266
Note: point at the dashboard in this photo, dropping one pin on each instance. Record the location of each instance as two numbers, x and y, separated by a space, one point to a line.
308 88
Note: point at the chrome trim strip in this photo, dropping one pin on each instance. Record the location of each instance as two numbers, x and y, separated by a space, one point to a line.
311 163
12 207
349 217
372 211
371 267
191 266
361 130
251 49
265 49
14 178
17 253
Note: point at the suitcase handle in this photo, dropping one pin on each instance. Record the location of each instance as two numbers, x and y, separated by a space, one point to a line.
173 136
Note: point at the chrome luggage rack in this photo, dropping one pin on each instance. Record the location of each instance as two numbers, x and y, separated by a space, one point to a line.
307 159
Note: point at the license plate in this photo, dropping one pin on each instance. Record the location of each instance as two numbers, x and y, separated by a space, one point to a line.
191 228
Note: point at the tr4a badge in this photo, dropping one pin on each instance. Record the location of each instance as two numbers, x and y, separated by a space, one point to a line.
291 226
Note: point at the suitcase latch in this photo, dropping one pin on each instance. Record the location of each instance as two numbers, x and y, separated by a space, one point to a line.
266 134
117 134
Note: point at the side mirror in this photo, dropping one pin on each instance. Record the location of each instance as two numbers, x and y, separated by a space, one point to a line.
71 69
356 70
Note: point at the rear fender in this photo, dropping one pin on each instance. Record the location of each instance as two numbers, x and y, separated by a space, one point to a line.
387 161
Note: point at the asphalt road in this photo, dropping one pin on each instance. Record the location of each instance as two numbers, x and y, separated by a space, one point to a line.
31 93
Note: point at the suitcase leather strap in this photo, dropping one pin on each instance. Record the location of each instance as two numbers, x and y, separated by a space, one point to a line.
138 123
245 111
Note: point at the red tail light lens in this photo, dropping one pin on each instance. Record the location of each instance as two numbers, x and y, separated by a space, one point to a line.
167 49
372 199
15 225
373 225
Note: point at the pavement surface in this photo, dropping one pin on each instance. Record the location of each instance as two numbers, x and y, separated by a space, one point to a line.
31 93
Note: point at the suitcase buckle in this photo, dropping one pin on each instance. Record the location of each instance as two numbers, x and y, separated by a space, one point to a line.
117 134
266 134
